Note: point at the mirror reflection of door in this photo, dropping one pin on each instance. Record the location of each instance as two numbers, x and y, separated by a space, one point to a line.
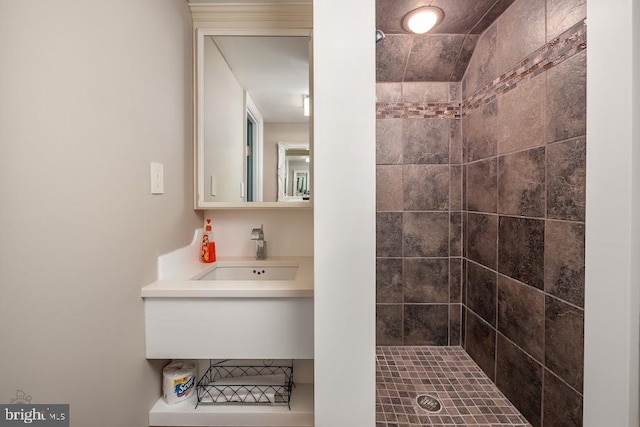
293 171
300 178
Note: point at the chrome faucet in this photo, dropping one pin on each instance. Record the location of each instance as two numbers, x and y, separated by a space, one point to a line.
257 234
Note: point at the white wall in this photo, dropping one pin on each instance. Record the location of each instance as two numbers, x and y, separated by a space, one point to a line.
344 129
224 124
613 205
274 133
92 92
288 232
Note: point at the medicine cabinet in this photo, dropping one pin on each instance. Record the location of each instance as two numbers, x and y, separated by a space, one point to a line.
252 80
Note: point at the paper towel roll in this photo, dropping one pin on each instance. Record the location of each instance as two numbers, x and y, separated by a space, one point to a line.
178 382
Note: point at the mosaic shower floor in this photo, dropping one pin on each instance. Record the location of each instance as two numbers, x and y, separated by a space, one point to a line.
467 395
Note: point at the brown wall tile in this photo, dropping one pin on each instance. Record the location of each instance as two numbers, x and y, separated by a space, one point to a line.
480 133
465 268
389 234
564 261
426 324
425 91
562 405
481 292
566 179
519 377
433 57
388 324
521 316
463 327
521 183
480 343
455 92
562 14
426 234
462 61
540 173
391 58
389 280
521 249
464 187
388 141
426 280
492 14
426 141
455 280
521 116
567 99
455 230
482 67
388 92
389 188
426 187
455 145
454 324
482 180
464 86
455 185
521 30
564 341
482 236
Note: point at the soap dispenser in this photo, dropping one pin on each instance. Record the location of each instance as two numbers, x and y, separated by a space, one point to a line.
208 250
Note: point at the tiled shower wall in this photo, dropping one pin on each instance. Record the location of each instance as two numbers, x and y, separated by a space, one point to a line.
419 214
520 115
524 134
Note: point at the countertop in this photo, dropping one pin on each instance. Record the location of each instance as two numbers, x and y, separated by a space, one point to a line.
190 287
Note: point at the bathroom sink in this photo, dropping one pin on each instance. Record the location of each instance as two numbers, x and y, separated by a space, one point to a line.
251 273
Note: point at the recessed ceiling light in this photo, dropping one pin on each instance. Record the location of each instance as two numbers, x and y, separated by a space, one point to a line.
422 19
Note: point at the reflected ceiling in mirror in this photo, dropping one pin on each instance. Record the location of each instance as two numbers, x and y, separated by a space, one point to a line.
250 93
273 70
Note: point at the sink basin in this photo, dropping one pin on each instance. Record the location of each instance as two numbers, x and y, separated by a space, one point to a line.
251 273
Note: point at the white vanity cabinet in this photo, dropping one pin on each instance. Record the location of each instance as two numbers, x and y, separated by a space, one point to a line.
229 328
188 318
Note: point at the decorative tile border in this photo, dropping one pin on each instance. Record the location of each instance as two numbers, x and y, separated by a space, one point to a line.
418 110
567 44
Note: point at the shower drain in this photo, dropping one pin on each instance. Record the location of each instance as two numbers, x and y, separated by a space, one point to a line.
429 403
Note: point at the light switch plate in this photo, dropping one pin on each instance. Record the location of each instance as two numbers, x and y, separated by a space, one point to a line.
157 178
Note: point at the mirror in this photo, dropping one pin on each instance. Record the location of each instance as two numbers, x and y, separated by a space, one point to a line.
250 98
294 179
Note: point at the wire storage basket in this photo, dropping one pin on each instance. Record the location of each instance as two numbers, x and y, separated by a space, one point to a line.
226 383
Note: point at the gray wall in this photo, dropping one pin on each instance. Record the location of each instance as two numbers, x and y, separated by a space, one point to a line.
92 92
